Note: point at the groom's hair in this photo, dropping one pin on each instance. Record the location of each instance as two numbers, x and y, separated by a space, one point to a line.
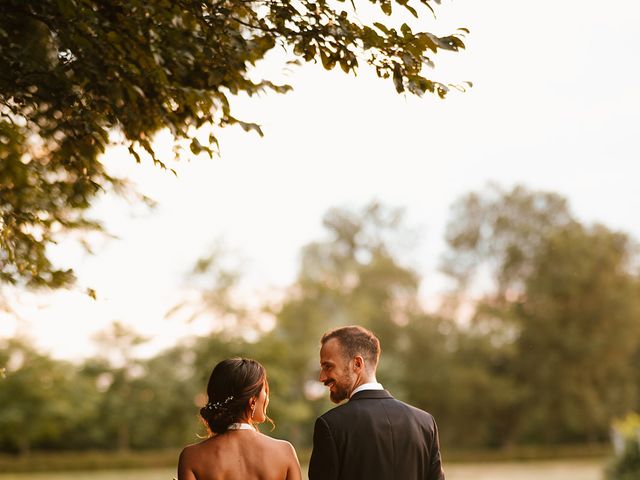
356 340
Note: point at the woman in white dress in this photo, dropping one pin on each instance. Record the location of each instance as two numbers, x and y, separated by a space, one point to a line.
235 450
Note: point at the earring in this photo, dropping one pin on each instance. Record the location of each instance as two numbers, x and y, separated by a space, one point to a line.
253 410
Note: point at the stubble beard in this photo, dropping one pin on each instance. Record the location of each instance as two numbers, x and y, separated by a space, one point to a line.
338 395
340 391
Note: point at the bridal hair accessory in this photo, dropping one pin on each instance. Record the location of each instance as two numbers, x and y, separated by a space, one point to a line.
217 405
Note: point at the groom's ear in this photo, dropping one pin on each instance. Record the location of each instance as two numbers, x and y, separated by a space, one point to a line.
358 363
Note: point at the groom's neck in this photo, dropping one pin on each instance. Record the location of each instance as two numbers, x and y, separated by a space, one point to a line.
365 378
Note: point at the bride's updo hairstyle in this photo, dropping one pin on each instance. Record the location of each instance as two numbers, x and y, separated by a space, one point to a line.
233 382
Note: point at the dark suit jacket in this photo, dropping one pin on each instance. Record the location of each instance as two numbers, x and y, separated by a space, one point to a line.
375 437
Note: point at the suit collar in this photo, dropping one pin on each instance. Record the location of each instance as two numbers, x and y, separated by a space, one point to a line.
377 394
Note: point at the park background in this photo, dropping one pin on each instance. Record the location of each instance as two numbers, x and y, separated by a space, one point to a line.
509 310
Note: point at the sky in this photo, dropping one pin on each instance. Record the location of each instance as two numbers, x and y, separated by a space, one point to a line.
555 105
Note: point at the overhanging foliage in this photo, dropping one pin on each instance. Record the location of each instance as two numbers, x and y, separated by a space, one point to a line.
74 71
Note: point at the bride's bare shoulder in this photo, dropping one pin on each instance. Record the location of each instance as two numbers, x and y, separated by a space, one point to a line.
282 446
188 456
189 451
288 458
204 447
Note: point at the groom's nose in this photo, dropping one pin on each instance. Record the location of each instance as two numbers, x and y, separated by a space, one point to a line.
322 376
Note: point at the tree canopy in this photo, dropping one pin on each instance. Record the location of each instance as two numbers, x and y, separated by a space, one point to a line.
74 72
558 316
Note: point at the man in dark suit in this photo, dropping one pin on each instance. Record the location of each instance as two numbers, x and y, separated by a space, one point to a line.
373 436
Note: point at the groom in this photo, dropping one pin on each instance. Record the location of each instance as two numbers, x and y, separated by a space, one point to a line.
373 436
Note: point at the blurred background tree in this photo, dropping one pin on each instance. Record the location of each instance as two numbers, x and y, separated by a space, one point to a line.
557 301
43 402
579 332
118 375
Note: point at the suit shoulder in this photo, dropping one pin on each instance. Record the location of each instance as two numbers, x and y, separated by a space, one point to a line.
418 412
336 413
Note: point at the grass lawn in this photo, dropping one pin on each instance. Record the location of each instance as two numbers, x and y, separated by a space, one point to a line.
146 474
535 470
538 470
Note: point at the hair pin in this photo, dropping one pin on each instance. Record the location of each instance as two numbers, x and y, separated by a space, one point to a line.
217 405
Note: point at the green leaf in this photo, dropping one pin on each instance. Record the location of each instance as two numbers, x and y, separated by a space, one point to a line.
383 28
411 10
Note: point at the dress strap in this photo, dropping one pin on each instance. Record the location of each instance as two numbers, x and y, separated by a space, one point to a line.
240 426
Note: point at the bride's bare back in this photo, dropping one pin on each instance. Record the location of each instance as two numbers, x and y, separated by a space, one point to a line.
239 455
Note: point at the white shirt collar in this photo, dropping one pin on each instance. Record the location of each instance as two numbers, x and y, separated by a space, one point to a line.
367 386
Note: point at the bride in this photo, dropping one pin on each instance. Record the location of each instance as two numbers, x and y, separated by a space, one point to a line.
238 397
